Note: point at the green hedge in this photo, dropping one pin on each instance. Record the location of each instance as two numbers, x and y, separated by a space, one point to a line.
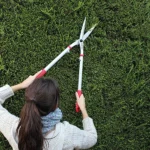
1 64
116 72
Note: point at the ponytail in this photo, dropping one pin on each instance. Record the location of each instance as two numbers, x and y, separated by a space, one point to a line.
30 128
41 98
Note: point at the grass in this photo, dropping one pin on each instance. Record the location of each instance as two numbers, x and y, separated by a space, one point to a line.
116 72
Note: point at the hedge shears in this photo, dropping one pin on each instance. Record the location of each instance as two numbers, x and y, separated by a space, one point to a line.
79 42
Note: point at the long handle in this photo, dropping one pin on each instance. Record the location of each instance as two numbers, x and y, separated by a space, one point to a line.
80 80
67 50
77 106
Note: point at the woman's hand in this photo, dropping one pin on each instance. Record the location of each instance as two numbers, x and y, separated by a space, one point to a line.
81 103
25 83
29 80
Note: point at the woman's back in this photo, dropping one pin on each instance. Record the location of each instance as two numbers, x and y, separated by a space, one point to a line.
36 129
65 136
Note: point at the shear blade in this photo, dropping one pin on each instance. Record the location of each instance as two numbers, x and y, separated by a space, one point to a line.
82 30
88 32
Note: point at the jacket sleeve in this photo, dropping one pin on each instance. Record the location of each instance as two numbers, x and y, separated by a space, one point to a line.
7 120
5 92
80 139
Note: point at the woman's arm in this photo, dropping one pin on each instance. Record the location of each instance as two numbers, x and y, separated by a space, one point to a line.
16 87
77 138
7 91
25 83
8 121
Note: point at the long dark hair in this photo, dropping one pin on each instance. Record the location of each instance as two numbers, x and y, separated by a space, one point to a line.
41 98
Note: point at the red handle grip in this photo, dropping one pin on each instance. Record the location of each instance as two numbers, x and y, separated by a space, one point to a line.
41 74
77 106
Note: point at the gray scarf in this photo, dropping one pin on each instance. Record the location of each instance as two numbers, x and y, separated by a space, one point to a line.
49 121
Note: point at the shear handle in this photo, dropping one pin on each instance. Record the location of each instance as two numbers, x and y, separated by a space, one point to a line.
77 106
41 74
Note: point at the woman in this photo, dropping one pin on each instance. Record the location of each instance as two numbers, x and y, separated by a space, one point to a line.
39 126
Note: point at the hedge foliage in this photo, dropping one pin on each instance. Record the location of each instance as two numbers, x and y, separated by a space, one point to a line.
116 81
